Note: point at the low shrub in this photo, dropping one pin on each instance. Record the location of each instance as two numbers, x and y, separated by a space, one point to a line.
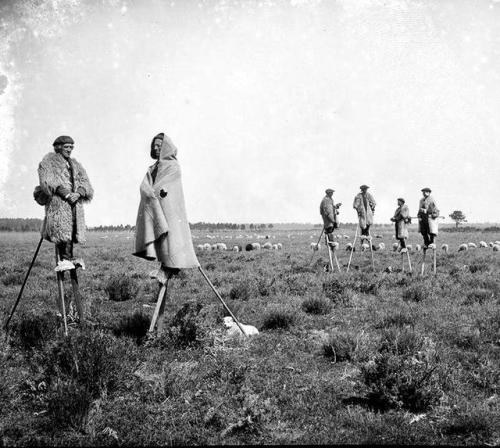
192 324
120 288
479 296
243 290
334 287
32 331
13 278
317 305
278 317
476 424
397 318
418 292
295 284
340 347
404 373
133 325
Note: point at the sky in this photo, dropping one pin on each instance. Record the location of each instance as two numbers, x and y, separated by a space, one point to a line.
268 102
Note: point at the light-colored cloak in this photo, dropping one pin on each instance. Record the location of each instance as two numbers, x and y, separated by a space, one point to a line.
58 224
162 227
328 212
401 218
365 215
430 215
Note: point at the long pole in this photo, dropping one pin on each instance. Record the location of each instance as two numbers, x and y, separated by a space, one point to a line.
24 284
352 248
222 301
329 252
319 239
371 249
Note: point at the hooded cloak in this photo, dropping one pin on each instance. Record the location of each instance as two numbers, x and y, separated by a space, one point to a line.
162 227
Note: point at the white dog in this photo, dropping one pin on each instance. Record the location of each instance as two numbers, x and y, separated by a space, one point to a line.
234 330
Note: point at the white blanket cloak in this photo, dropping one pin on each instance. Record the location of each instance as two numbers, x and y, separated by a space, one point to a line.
162 227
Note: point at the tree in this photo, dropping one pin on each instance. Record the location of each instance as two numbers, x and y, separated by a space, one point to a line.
458 217
242 227
270 226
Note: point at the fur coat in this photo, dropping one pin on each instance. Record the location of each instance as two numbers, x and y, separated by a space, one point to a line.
60 216
162 227
365 215
401 218
328 212
428 215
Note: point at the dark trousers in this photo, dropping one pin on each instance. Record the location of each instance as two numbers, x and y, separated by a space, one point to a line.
402 242
329 233
366 230
425 231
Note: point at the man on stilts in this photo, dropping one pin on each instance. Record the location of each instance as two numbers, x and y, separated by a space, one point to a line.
162 227
428 215
365 204
401 219
64 188
329 211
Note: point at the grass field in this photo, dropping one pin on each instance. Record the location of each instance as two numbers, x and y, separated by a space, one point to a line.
341 358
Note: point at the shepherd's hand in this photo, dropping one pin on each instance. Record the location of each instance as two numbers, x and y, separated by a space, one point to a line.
73 198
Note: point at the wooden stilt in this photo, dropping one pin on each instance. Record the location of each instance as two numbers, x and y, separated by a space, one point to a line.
423 262
371 249
76 294
159 307
61 302
409 261
434 260
329 252
402 262
336 260
352 249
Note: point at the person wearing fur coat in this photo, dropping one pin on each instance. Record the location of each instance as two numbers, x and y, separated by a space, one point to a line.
64 188
401 219
428 215
364 204
329 211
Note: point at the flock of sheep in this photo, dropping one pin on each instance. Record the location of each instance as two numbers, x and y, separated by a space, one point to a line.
207 247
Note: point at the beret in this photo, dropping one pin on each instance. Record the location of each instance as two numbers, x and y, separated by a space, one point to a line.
62 140
426 189
329 190
401 199
364 187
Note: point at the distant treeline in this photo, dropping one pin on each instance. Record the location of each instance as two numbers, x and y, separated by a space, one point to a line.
228 226
119 228
20 224
471 229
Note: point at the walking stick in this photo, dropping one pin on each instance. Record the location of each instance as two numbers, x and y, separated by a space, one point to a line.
352 249
319 239
402 262
222 301
24 284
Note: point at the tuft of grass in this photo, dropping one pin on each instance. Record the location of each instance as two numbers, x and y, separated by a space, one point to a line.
480 296
31 331
278 317
340 347
13 278
317 305
397 318
243 290
418 292
133 325
120 288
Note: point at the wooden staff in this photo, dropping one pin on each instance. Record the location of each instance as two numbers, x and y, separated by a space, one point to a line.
22 287
329 252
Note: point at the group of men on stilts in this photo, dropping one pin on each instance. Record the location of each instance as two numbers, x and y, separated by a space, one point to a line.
364 204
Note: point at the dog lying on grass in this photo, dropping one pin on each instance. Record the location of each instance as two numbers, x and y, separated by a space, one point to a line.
233 329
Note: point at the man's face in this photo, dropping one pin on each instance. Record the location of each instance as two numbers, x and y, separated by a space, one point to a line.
66 149
363 190
426 193
400 203
157 147
329 194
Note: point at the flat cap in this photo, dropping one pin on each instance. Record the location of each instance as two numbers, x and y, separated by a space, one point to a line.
62 140
329 190
426 189
401 199
364 187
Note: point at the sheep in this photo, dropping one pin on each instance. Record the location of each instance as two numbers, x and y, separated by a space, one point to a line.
418 247
445 247
496 248
349 247
207 246
249 247
381 246
334 245
346 237
233 330
236 249
267 246
379 236
472 245
315 246
214 246
200 247
256 246
395 247
463 247
483 244
409 247
491 244
280 246
364 247
221 246
275 247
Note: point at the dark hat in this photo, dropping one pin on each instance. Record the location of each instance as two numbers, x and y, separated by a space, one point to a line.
402 200
62 140
364 187
426 189
329 190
